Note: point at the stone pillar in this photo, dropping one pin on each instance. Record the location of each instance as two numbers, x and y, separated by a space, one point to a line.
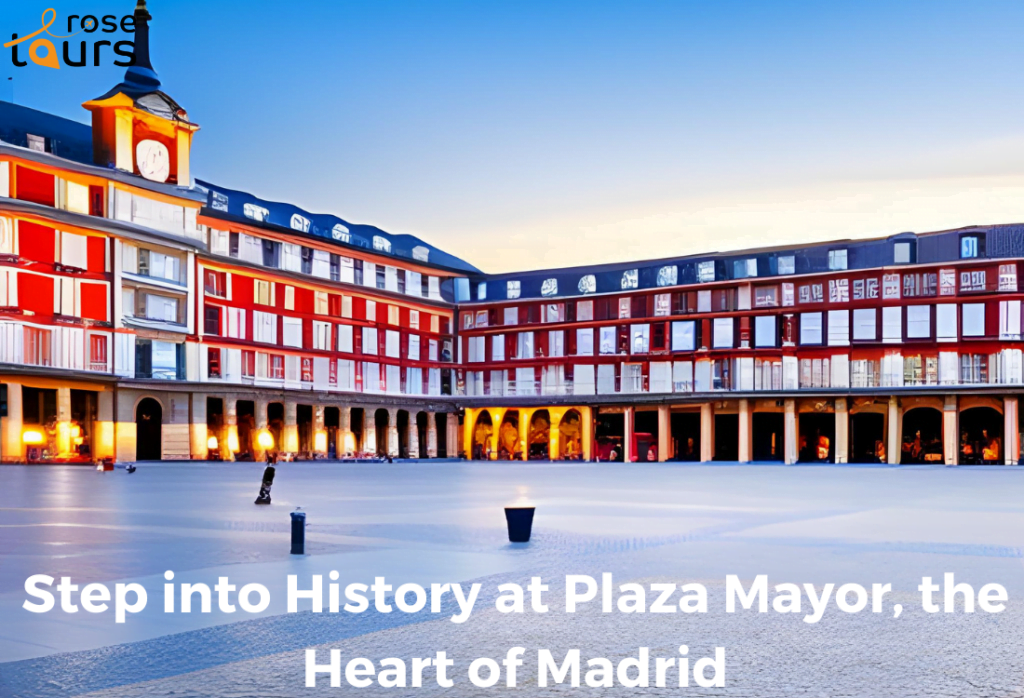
231 447
197 428
496 416
64 422
414 437
707 432
842 448
125 431
346 439
587 433
1011 431
789 428
746 432
393 432
950 430
261 424
452 436
895 421
319 431
664 433
12 448
468 425
103 427
628 449
554 435
290 432
369 431
431 435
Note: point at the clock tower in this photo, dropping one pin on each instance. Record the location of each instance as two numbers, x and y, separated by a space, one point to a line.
136 127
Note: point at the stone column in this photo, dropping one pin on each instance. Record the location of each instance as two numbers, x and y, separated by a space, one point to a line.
842 448
413 437
707 432
431 435
950 430
524 433
346 439
892 446
1011 431
393 432
12 447
64 422
664 433
231 447
452 435
319 431
258 452
746 431
369 431
789 427
554 435
587 433
103 427
197 428
629 427
290 432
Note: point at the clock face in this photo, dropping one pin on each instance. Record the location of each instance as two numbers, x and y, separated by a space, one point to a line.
154 160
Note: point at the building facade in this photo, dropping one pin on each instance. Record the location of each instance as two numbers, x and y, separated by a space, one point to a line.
145 314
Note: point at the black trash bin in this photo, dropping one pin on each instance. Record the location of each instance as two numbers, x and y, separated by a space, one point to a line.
520 523
298 533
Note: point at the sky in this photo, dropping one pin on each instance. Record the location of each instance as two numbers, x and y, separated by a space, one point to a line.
529 134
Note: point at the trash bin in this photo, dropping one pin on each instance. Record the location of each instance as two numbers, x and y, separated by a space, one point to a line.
520 523
298 533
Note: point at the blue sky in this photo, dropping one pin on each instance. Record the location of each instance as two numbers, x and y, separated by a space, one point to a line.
538 134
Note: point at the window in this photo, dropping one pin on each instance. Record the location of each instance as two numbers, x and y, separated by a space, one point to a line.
723 330
683 335
625 306
161 308
662 304
973 319
369 340
838 328
766 296
919 321
765 332
345 338
837 260
640 336
945 322
901 253
321 303
839 291
291 257
1009 320
585 342
271 254
552 312
321 335
864 321
213 362
892 324
1007 277
215 283
744 268
264 327
584 311
810 328
608 336
276 367
391 344
970 247
394 314
248 363
346 306
335 270
262 292
705 272
307 260
414 347
431 350
524 345
37 347
289 298
211 320
291 334
97 352
371 311
703 301
511 316
414 319
381 277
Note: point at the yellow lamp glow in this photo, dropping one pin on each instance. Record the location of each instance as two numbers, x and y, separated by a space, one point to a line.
265 440
320 441
233 440
76 431
350 442
211 443
32 436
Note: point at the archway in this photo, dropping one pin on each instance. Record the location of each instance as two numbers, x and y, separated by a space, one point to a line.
570 436
246 412
645 435
509 447
215 433
981 436
422 419
441 426
304 421
482 431
381 420
816 443
922 436
357 424
610 433
867 437
275 423
686 436
332 423
727 437
540 427
402 422
148 429
769 436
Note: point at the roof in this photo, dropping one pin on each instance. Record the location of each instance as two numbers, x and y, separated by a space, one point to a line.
71 140
231 204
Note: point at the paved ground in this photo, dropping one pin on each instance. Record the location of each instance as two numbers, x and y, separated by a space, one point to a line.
427 522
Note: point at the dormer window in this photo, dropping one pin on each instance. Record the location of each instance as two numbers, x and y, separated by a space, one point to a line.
668 275
256 213
340 233
587 284
512 289
837 260
786 264
300 223
37 143
705 272
901 253
630 279
744 268
972 246
381 244
549 287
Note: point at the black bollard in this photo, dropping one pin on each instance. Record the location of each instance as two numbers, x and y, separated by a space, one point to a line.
268 481
520 523
298 533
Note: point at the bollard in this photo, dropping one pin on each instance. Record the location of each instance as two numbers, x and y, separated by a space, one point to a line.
298 533
520 523
268 481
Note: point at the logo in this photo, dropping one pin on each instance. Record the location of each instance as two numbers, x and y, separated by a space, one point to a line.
43 52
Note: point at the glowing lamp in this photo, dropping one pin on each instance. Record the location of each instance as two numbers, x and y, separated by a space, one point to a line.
320 441
265 440
76 431
32 436
350 442
211 443
233 440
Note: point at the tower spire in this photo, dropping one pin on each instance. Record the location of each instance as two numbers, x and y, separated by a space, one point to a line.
141 75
